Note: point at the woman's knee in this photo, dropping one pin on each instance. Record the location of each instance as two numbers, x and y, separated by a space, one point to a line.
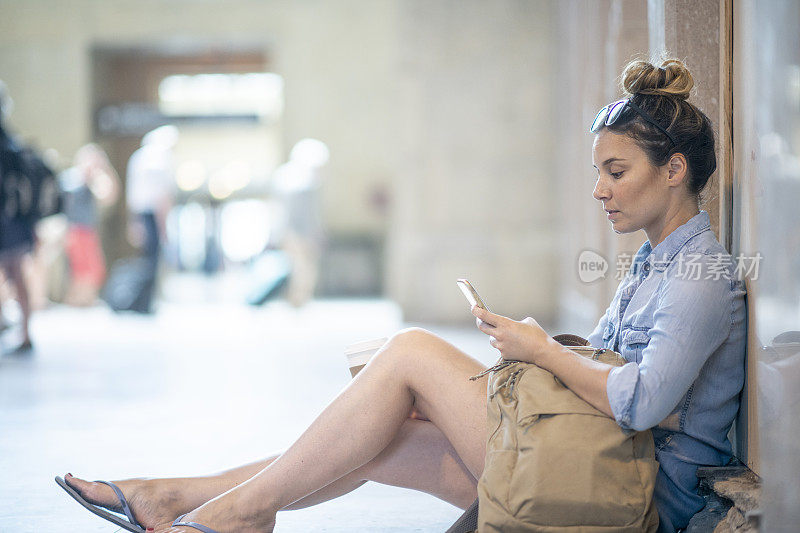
410 342
412 337
418 349
404 346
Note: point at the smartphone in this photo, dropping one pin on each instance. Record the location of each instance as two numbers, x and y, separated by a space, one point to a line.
470 293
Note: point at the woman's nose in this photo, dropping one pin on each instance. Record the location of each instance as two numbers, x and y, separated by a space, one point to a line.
600 190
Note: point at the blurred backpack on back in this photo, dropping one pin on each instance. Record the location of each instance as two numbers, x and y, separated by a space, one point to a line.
28 187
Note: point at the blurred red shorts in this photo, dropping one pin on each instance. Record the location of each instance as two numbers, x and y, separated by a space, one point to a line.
85 256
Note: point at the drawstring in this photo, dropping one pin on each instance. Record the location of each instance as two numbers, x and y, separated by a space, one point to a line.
501 364
510 381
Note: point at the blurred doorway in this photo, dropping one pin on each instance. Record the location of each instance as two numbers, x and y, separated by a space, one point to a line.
227 107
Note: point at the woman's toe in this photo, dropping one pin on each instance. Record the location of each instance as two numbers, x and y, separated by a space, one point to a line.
93 492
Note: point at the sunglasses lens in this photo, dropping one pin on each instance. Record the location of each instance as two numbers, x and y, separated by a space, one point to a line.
616 110
599 120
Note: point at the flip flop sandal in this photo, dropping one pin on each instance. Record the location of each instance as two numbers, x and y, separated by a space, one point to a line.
195 525
130 525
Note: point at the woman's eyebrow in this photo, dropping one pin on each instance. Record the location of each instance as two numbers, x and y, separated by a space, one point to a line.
609 161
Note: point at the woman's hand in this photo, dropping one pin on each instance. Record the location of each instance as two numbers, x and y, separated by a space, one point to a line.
522 340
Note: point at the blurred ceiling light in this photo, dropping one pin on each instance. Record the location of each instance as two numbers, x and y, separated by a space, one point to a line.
218 187
232 177
190 175
237 174
256 93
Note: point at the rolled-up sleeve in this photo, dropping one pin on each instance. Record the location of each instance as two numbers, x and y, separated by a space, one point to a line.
621 389
692 319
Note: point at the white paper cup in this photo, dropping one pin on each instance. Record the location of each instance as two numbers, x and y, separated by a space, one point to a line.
358 354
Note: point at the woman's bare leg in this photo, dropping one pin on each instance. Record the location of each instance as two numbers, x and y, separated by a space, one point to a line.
419 458
415 368
410 354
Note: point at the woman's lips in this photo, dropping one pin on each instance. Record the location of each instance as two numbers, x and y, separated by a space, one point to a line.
611 214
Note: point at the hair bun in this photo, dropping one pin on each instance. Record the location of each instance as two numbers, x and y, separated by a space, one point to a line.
672 78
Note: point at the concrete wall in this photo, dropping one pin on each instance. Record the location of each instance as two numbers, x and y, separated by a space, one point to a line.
475 174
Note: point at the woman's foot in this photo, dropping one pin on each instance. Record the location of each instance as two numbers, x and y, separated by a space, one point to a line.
152 502
227 513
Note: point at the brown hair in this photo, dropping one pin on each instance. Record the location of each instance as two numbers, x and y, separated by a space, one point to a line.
662 93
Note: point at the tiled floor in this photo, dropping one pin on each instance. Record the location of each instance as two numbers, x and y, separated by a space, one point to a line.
204 384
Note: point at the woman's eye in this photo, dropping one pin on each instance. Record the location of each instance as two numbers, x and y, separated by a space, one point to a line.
616 175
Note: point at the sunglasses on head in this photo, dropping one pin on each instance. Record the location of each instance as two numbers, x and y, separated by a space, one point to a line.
611 113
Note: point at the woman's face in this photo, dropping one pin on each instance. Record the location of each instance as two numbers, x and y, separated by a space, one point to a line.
634 193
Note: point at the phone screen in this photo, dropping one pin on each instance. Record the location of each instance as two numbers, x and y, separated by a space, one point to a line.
470 293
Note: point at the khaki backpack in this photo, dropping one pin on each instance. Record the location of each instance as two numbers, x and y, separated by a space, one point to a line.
554 463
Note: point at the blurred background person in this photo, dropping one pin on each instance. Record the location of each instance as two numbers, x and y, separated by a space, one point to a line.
296 186
149 189
149 192
25 196
16 234
91 183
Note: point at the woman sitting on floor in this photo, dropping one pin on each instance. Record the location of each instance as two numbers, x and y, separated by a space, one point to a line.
683 335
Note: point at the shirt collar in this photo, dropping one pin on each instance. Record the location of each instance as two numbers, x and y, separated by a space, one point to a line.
666 250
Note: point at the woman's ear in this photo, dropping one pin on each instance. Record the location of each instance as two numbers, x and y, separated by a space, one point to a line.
677 169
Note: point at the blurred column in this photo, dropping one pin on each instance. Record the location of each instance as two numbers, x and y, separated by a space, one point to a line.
474 190
594 41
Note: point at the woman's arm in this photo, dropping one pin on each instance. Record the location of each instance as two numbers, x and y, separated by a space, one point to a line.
692 320
586 378
526 341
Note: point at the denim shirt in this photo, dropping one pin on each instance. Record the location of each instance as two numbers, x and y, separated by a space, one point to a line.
678 318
